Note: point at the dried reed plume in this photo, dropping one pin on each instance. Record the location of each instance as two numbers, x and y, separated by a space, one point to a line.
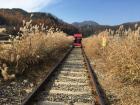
33 45
120 50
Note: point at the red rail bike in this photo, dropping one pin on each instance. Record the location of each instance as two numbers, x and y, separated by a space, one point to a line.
77 40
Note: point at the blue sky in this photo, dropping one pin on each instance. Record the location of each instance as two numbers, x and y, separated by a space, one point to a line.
107 12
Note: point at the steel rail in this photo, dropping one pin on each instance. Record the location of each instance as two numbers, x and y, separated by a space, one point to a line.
94 81
29 98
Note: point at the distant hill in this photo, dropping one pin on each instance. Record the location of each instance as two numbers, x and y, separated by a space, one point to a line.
10 18
88 28
89 23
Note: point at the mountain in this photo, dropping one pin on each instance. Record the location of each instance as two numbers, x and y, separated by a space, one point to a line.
10 18
88 28
89 23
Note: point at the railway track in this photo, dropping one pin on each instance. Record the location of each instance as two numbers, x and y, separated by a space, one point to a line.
69 83
4 38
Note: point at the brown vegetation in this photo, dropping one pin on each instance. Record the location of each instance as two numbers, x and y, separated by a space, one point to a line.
117 52
33 46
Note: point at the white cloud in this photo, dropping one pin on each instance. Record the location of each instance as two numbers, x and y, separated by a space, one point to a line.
29 5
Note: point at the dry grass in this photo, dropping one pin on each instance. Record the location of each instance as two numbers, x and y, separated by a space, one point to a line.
36 44
120 53
121 59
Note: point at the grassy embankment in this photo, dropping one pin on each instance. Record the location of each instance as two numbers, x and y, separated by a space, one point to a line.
35 45
116 59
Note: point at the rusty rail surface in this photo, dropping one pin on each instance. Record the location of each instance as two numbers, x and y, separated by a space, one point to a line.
94 81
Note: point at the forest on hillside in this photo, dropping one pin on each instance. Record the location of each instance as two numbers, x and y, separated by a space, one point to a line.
12 20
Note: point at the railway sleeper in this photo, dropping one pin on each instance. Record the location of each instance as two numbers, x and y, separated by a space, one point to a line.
67 98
